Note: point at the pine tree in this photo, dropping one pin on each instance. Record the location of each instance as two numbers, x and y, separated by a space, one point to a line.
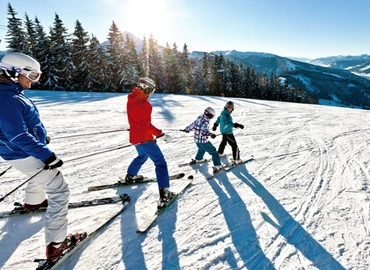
132 70
41 50
30 37
15 34
115 58
79 58
155 65
60 57
172 70
97 62
144 59
206 73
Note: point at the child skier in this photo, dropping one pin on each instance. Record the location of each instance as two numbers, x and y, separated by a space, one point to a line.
201 134
226 127
144 135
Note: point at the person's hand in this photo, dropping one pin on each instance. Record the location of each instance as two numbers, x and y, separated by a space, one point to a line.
236 125
53 162
165 137
213 135
184 130
215 125
47 139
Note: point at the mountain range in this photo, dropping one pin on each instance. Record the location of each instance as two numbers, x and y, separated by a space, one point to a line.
331 80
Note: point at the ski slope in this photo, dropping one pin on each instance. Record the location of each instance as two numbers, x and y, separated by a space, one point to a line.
303 203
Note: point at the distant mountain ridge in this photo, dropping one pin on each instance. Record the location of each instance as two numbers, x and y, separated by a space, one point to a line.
329 85
359 64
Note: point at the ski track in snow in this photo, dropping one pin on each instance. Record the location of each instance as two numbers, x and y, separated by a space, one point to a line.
302 203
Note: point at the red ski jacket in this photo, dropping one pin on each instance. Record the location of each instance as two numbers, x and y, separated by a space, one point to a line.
139 112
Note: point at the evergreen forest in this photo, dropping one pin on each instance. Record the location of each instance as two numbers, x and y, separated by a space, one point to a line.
79 62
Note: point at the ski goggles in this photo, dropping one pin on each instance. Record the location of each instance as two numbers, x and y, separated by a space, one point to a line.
29 74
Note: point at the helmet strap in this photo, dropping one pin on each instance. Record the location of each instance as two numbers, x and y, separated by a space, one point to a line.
13 78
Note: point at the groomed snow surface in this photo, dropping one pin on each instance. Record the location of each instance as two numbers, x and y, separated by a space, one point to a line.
303 203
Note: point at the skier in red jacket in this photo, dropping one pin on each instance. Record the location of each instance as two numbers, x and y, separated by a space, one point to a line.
143 135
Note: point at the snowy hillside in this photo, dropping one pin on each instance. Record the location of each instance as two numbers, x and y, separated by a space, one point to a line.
303 203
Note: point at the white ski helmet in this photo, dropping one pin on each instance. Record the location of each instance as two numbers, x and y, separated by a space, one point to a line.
210 112
147 85
15 63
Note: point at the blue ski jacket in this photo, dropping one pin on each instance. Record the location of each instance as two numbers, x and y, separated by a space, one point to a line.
226 122
22 133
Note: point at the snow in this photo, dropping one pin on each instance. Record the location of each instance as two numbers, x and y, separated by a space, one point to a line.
303 203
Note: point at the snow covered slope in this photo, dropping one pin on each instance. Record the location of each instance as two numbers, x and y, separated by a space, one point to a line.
303 203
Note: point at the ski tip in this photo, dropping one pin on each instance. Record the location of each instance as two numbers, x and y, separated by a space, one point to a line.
190 177
180 175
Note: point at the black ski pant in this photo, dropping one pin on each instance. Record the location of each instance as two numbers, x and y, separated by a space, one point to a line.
230 139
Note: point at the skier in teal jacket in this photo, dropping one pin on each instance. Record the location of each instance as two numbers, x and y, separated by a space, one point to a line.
226 128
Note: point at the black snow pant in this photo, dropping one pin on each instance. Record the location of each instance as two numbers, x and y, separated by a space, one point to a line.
230 139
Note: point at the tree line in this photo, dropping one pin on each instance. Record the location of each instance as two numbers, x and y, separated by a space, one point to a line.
78 62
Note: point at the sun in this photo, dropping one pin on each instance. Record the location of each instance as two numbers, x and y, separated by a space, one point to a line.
145 17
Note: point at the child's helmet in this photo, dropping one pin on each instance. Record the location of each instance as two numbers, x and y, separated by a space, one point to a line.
229 104
210 112
147 85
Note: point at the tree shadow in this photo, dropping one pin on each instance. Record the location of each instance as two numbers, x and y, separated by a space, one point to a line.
243 234
290 229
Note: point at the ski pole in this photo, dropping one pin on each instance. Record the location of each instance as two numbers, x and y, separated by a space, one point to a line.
100 152
87 134
172 129
96 153
21 185
5 171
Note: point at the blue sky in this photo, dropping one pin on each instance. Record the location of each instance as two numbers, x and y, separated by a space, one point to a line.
296 28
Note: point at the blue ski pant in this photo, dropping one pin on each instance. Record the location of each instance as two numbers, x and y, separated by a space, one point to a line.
151 150
210 149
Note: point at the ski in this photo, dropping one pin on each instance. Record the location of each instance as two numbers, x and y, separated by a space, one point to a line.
232 166
20 210
45 264
200 162
229 167
151 219
138 181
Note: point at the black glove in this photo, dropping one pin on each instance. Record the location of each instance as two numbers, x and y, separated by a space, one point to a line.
236 125
215 125
47 139
184 130
53 162
213 135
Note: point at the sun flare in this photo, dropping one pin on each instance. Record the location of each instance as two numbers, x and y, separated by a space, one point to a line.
145 17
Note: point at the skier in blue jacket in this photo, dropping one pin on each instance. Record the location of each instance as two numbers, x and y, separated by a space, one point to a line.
23 144
226 128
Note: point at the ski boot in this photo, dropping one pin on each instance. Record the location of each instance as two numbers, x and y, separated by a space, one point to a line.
195 161
165 195
129 179
218 168
32 207
54 251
